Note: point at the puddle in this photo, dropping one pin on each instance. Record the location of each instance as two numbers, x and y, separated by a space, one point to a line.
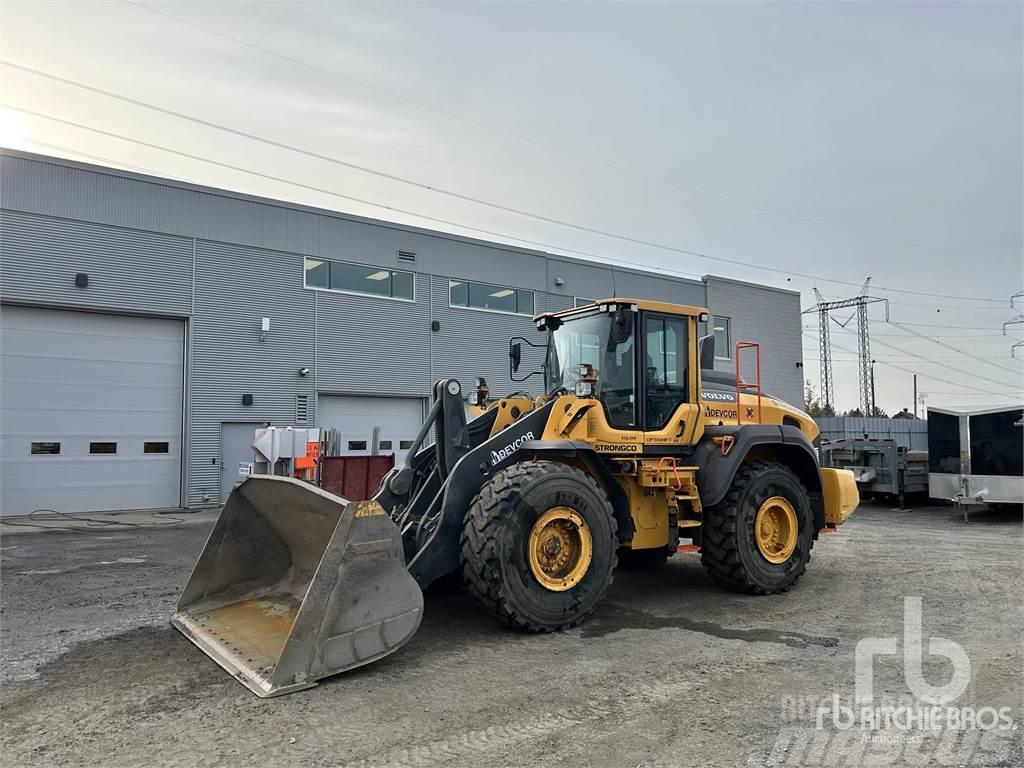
613 618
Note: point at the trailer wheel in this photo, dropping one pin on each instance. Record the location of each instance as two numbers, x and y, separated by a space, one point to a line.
538 546
758 538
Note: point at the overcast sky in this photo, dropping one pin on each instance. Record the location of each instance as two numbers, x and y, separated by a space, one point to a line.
834 140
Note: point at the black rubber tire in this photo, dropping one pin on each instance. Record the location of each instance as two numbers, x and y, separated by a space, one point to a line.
496 533
728 549
643 559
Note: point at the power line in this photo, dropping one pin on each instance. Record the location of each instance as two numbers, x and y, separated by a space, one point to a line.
601 260
912 371
934 359
101 158
440 190
950 346
947 366
943 336
975 394
951 325
527 139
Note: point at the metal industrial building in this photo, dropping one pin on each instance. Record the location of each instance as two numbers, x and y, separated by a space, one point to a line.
149 326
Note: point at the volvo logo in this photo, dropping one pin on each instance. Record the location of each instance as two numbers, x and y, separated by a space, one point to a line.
722 396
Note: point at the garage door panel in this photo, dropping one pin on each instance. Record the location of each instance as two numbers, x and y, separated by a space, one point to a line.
397 420
65 399
25 367
77 378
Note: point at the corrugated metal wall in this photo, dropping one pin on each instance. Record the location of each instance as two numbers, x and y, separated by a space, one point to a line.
475 343
771 317
127 269
236 286
373 345
910 433
135 237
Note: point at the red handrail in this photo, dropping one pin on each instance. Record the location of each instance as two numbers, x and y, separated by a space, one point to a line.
741 385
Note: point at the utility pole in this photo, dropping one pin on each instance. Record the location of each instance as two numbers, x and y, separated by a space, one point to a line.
915 395
865 371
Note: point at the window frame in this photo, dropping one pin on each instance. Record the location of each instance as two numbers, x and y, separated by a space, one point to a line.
728 339
685 388
468 306
576 302
350 292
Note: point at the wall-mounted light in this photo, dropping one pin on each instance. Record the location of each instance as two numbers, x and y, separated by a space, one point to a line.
303 371
264 328
559 282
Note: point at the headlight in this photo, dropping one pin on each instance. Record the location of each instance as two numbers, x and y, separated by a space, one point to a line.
473 398
584 389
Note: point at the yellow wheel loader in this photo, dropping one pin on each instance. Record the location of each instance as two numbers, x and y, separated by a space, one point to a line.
635 446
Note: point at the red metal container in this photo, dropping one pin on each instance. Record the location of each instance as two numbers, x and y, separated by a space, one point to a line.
354 477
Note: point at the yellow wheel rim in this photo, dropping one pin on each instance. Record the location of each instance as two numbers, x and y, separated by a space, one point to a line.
775 530
560 549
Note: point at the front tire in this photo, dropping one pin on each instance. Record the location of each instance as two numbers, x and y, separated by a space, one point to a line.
758 538
538 546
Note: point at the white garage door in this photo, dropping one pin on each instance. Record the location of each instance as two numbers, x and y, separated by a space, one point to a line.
90 411
388 423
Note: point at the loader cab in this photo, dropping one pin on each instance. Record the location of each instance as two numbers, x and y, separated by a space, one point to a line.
640 353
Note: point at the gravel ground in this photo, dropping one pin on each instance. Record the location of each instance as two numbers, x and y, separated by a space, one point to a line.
671 671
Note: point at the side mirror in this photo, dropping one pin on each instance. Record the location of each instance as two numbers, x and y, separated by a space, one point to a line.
515 355
706 351
622 327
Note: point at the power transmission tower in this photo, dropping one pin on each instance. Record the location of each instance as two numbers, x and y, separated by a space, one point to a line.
1018 320
860 305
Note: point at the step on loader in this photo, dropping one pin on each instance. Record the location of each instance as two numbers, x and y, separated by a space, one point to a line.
635 448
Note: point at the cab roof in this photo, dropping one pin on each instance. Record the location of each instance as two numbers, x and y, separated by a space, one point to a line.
646 305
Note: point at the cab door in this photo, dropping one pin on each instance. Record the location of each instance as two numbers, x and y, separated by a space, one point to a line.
667 382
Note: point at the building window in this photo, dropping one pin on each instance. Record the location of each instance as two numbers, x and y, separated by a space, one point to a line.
579 301
358 278
102 447
404 445
45 448
155 447
723 337
384 445
497 298
357 445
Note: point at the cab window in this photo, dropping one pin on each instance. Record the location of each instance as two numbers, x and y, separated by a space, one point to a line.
666 375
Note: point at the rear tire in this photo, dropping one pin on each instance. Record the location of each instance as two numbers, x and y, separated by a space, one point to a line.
498 567
730 548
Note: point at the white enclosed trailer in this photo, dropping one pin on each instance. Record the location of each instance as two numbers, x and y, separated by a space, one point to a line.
976 455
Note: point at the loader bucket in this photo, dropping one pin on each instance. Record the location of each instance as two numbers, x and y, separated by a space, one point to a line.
296 584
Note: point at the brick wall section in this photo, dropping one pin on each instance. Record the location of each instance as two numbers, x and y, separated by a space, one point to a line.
771 317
